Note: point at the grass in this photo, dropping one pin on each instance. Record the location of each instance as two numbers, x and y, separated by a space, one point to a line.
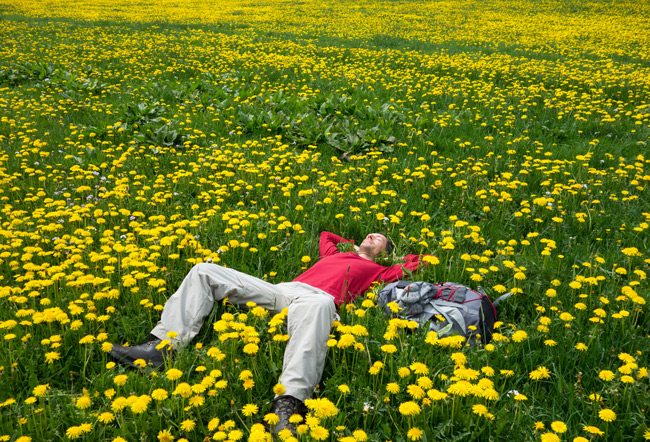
137 141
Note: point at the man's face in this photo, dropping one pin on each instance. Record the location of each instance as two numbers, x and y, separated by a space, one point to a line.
374 244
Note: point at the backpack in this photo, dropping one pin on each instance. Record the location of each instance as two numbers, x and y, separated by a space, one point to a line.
468 312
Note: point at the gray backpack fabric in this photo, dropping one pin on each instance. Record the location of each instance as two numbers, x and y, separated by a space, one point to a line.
467 312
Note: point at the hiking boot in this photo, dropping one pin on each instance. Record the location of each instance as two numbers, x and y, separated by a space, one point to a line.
146 351
284 407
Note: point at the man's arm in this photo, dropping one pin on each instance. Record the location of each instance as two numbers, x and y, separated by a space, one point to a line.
393 273
327 243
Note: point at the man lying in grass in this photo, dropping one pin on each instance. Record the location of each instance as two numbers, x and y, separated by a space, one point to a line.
311 299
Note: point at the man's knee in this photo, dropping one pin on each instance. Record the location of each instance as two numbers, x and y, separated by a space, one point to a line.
213 272
202 267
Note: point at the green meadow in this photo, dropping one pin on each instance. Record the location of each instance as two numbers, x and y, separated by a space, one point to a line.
507 139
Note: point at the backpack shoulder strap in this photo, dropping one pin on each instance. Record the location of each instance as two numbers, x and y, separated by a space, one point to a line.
502 298
451 304
449 311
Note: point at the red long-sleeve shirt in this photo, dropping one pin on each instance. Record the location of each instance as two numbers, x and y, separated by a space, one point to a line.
347 275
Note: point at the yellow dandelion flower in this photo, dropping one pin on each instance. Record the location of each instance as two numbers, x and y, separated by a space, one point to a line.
196 401
120 379
607 415
490 394
606 375
118 404
539 373
73 432
322 407
419 368
106 417
173 374
409 408
183 389
83 403
235 435
360 435
458 358
140 405
559 427
393 307
436 395
165 436
626 357
430 259
88 339
460 388
479 409
52 356
295 418
271 418
220 435
250 409
159 394
248 384
403 372
319 433
519 336
566 317
40 390
593 430
488 371
279 389
415 391
424 382
414 434
213 424
550 437
245 374
392 388
631 251
188 425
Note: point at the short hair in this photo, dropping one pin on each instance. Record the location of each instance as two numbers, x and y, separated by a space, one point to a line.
390 246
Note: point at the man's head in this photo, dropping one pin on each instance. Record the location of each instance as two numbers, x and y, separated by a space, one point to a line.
374 244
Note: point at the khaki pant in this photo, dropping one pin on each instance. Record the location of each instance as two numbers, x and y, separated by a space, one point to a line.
311 312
